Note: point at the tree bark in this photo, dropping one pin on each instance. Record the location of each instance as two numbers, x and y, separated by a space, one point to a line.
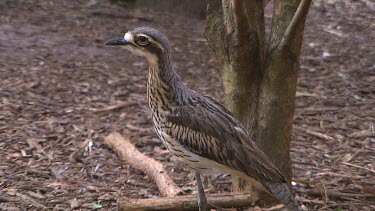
279 82
236 35
260 80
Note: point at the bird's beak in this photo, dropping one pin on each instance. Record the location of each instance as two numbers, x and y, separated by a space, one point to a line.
121 41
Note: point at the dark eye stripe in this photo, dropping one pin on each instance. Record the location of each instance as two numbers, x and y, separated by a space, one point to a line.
151 46
154 48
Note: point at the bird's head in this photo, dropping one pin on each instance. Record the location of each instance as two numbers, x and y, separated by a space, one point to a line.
146 42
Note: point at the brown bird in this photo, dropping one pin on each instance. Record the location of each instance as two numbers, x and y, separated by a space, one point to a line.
200 132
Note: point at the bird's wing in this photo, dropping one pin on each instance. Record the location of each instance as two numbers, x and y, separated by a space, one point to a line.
207 129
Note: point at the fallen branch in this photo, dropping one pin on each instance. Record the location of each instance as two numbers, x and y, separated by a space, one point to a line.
232 200
334 194
113 107
360 167
337 175
154 169
320 135
362 134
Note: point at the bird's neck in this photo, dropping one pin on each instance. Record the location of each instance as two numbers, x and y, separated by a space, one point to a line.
162 85
161 72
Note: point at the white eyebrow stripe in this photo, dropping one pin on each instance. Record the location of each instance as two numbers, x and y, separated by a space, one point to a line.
129 37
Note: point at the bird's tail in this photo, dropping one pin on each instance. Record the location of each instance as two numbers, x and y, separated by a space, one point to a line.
283 194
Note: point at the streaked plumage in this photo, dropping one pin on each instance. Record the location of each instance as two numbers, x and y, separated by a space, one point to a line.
199 131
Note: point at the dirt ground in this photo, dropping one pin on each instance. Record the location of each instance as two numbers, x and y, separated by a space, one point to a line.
58 82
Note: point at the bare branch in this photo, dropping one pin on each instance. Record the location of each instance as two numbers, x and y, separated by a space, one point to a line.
299 15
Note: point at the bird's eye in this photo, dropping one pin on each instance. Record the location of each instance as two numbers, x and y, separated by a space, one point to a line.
142 40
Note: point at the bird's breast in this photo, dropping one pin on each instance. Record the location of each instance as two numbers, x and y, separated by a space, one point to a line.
187 157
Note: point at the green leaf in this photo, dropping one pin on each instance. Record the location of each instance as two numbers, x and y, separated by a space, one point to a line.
97 206
339 208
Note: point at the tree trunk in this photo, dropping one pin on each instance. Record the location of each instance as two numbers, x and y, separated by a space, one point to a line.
260 79
235 36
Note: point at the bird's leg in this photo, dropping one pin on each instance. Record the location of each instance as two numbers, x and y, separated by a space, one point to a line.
202 197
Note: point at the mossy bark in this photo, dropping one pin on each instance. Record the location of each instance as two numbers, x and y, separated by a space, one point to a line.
260 77
236 36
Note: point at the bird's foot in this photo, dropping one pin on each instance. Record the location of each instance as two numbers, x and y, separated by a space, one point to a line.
202 203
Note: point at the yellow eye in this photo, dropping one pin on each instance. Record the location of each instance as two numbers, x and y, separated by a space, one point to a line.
142 40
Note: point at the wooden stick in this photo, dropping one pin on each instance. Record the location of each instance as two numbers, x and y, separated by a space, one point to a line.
360 167
154 169
299 15
320 135
229 200
113 107
336 194
362 134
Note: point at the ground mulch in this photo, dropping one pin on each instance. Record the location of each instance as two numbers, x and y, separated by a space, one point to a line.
62 91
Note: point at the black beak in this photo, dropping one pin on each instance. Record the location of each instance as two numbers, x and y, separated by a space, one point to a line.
121 41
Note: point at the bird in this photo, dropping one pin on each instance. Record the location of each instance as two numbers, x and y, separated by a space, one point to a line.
200 132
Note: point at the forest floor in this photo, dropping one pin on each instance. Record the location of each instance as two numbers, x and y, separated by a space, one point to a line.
58 83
